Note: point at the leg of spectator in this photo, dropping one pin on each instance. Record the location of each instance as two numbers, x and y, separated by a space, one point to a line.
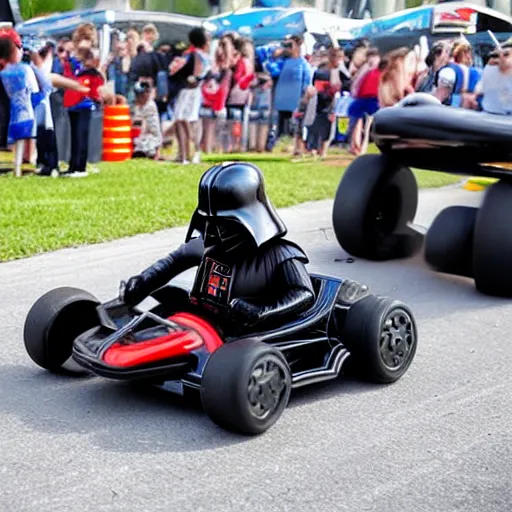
41 145
52 154
75 141
195 138
355 144
262 135
18 157
367 131
186 138
252 136
84 121
180 135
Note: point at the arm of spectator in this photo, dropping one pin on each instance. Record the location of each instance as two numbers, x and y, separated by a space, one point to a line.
307 76
61 82
357 80
446 83
224 89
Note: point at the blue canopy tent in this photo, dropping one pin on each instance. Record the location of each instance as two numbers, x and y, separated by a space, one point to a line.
172 27
245 20
302 21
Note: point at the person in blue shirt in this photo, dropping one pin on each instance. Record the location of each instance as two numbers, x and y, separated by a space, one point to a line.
296 75
456 82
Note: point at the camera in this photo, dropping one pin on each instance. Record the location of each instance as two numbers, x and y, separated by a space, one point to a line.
26 55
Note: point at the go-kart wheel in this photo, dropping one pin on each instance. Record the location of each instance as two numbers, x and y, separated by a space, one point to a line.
492 245
246 386
375 201
382 337
52 324
449 241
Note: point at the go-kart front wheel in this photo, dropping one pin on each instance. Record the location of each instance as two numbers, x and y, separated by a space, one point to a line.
246 386
53 323
382 337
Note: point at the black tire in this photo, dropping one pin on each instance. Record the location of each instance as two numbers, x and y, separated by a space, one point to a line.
449 241
375 201
53 323
382 337
226 382
492 245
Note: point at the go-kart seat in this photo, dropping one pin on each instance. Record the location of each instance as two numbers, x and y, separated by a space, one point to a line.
437 122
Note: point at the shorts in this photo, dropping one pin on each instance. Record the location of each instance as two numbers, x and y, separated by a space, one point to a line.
235 112
319 131
259 116
208 113
362 107
187 105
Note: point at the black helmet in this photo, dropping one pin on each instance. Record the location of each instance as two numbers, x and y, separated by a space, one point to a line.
236 192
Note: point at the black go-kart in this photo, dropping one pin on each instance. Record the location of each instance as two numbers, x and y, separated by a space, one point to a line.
376 201
244 382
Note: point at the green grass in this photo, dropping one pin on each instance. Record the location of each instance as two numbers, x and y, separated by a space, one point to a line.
44 214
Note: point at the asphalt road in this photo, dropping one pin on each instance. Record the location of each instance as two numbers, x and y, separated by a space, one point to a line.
437 440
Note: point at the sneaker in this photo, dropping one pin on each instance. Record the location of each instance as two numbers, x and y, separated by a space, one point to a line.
55 173
79 174
74 174
185 162
196 159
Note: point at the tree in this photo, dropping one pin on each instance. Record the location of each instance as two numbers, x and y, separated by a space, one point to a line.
31 8
415 3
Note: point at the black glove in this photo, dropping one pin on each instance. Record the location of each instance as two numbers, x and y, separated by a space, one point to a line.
244 312
157 275
134 291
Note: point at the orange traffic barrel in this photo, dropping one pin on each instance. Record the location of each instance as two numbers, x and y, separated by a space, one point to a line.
117 133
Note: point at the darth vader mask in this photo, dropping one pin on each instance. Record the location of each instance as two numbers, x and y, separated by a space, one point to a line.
228 236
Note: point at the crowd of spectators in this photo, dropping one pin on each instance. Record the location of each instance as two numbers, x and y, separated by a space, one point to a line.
228 96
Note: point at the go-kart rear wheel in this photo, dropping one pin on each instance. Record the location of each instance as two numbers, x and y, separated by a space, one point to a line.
246 386
382 337
449 241
375 201
53 323
492 245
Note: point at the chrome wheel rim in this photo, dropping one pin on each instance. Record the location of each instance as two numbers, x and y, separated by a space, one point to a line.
267 388
397 339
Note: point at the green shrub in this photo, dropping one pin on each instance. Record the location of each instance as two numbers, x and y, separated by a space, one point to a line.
32 8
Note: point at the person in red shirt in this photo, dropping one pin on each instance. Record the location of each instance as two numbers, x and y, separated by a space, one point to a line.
365 91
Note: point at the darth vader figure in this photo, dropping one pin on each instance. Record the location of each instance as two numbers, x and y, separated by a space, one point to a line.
248 274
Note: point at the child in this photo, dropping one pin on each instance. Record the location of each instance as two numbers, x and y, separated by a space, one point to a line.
81 105
148 143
